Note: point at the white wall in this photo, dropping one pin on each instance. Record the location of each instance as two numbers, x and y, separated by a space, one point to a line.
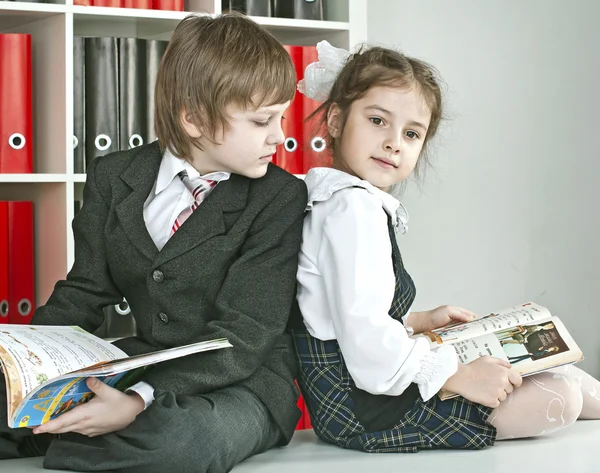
510 212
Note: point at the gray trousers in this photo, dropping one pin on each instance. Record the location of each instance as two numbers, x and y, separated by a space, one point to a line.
206 433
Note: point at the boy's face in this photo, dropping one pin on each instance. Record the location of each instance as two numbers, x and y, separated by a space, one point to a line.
247 147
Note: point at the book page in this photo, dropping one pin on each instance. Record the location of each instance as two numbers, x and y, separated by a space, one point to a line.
471 349
530 348
137 361
517 315
13 380
39 353
65 392
55 399
539 346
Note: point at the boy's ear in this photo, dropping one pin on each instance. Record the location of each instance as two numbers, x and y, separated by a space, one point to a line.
188 124
334 121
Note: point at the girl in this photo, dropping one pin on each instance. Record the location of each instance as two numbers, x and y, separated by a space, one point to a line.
367 385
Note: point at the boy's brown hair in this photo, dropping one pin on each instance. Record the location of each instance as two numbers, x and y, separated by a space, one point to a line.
210 64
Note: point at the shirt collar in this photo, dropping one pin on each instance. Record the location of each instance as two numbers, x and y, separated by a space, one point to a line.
322 183
171 165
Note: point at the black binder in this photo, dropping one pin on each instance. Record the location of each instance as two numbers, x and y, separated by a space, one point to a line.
132 93
300 9
77 206
249 7
118 322
101 98
154 51
78 105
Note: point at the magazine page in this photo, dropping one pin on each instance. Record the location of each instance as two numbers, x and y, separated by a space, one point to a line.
61 394
517 315
14 384
41 353
530 348
64 394
137 361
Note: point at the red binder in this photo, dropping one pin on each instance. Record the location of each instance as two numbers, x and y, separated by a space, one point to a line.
300 404
147 4
83 3
20 262
4 307
307 422
16 130
108 3
314 146
170 5
289 154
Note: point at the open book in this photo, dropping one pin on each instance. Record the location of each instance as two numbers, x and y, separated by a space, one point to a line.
527 336
45 368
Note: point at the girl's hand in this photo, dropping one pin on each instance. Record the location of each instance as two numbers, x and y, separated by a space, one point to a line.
487 381
439 317
109 411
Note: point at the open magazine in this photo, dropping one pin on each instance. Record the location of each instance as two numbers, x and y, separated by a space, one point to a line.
527 336
45 368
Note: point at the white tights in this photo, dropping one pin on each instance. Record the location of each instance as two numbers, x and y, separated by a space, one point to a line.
546 402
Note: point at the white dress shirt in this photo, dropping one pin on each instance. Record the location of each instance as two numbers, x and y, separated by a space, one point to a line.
168 197
346 286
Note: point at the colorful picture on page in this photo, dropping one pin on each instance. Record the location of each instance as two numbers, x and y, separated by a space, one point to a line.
531 342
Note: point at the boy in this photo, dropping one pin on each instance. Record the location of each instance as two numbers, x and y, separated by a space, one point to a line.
200 233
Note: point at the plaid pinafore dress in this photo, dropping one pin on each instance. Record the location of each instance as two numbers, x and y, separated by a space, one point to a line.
331 395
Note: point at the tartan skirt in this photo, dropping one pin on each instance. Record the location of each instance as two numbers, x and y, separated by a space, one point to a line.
327 387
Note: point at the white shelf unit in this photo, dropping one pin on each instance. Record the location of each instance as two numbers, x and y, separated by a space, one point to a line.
54 187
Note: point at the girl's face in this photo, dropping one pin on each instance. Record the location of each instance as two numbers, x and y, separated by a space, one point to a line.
383 135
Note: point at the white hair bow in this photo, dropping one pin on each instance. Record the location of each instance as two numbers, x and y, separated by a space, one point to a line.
320 76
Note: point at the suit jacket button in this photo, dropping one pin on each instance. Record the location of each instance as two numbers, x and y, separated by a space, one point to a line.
164 318
158 275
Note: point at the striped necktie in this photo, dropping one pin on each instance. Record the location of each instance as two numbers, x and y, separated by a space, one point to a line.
199 189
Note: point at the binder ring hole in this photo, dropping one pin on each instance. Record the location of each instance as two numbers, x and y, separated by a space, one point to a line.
75 142
102 142
135 140
290 144
24 307
317 144
123 308
16 141
3 308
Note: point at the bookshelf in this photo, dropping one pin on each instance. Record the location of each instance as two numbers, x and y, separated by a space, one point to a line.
53 187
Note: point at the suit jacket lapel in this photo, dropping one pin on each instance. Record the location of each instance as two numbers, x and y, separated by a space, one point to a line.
207 220
140 177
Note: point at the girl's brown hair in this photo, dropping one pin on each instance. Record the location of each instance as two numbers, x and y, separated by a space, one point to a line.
377 66
210 64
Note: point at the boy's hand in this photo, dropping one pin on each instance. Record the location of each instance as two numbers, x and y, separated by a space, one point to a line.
110 410
439 317
486 380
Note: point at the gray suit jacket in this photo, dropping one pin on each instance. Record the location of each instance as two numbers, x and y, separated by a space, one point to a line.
229 271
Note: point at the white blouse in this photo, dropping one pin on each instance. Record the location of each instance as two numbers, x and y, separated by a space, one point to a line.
346 286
